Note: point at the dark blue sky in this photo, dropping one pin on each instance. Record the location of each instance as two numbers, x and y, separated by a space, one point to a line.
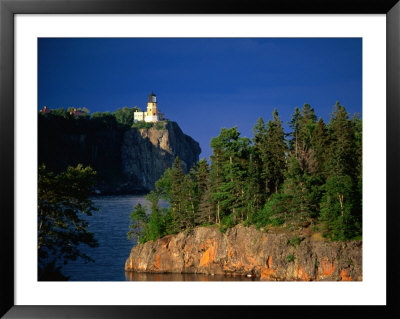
203 84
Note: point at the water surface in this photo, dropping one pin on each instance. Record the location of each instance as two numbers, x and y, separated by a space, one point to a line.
110 225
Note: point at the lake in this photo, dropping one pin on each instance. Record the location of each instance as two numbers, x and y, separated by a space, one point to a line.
110 225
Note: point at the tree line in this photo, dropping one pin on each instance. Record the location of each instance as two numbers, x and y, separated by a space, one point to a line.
311 176
66 120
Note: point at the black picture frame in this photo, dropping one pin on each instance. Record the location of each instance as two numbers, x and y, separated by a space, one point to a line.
8 8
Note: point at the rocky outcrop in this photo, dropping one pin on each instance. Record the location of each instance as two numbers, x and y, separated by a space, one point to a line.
126 160
147 153
247 251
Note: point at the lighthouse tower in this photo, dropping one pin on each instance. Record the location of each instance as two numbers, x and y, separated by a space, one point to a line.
152 114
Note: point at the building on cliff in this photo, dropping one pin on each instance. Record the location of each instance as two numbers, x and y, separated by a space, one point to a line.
152 114
45 110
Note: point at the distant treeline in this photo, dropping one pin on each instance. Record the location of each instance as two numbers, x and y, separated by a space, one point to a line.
310 176
79 119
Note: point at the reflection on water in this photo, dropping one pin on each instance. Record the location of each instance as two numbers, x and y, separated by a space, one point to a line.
135 276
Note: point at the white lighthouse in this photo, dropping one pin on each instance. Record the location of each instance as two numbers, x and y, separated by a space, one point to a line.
152 114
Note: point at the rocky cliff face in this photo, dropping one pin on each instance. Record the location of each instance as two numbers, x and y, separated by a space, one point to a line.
147 153
247 251
126 160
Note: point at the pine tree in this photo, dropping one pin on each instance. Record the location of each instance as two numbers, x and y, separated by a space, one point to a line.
260 152
205 212
189 202
275 155
138 220
295 126
177 195
342 151
319 144
228 172
254 191
307 123
337 208
341 203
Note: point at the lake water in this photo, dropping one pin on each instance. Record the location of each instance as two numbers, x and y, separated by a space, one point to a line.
110 225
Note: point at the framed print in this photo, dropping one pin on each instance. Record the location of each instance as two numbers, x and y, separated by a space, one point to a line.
56 52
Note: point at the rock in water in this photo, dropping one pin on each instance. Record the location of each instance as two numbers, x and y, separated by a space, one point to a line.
245 250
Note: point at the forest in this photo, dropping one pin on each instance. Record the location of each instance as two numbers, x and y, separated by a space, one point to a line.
309 177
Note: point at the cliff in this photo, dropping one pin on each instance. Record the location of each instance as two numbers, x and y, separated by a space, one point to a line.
248 251
126 160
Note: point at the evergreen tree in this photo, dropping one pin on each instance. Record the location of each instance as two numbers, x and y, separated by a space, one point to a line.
260 152
341 203
163 185
302 192
275 154
228 164
177 195
342 151
62 199
254 191
319 144
138 220
317 176
307 122
295 126
205 210
337 208
189 202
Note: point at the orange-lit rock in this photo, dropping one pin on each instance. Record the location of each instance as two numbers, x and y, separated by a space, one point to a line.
208 257
269 262
246 251
266 273
300 274
344 275
327 267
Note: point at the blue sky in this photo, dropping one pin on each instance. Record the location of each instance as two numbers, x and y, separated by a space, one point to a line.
205 83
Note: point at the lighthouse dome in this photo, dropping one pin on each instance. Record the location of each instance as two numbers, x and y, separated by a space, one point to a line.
152 98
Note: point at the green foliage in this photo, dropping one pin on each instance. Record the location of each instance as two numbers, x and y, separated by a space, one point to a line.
142 125
273 211
294 241
290 258
227 222
278 221
61 199
228 172
160 126
138 219
271 181
124 116
336 209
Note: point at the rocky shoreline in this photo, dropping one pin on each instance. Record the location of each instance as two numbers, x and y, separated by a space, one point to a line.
246 251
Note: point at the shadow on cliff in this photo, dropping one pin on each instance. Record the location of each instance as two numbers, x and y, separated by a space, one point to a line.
126 160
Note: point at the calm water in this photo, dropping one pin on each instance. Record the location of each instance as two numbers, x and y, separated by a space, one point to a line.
110 225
